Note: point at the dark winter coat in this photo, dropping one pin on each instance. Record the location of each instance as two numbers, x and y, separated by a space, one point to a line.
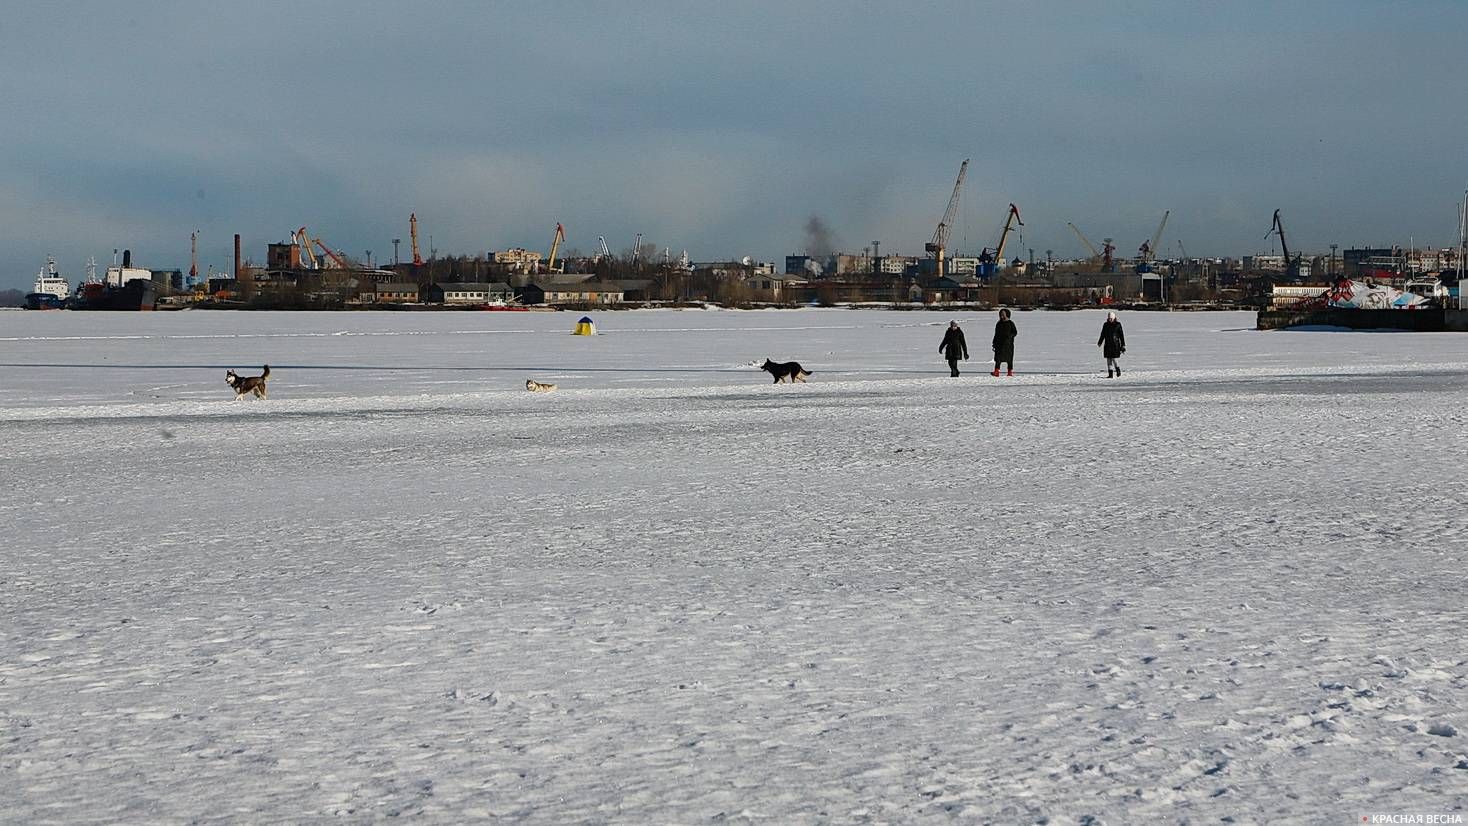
953 346
1112 341
1004 333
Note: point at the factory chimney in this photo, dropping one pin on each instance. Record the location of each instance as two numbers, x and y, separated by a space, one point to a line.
237 256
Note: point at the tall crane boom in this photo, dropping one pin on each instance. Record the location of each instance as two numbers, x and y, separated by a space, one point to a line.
1148 250
1095 253
556 240
602 241
1011 220
413 234
1292 265
341 261
303 242
1277 228
939 244
338 261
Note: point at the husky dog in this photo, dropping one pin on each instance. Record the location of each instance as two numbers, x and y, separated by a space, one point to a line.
785 371
247 384
538 387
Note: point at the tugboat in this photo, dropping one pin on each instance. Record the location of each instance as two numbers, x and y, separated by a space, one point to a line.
51 290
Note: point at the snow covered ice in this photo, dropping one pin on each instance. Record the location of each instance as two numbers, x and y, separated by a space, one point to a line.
1226 585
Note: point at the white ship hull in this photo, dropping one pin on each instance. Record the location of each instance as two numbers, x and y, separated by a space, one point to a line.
50 282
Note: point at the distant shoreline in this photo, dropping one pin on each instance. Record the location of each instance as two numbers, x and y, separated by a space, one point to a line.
585 308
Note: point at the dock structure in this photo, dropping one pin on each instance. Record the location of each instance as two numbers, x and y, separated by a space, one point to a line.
1433 320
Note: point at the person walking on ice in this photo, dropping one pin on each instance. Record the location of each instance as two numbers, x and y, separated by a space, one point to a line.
1112 344
953 347
1004 333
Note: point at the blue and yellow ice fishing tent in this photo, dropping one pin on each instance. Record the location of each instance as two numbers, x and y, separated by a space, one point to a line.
584 327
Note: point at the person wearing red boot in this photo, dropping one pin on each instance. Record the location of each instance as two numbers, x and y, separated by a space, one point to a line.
1004 333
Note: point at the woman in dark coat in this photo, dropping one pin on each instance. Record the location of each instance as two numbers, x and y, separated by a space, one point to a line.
1112 344
953 347
1004 333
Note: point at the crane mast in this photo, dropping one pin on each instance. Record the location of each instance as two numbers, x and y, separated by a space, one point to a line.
413 236
1277 228
556 240
335 257
338 261
1292 265
1010 221
1148 250
303 242
939 245
1084 240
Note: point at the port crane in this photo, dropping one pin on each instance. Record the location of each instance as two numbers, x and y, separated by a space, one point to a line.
1105 255
1095 254
336 260
939 245
556 241
605 253
1010 221
303 243
988 259
1148 251
413 236
1292 265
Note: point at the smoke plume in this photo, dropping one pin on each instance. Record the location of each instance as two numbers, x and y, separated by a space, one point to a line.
820 242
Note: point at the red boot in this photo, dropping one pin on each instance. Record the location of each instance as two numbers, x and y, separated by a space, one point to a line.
1011 372
996 372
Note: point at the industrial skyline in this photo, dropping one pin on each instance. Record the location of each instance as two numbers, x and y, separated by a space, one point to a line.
722 129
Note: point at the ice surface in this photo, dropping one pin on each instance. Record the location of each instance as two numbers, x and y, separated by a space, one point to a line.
1229 584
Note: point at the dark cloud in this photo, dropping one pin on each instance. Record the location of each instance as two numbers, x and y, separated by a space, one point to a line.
720 128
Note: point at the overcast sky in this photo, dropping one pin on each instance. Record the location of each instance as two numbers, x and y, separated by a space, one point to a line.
720 128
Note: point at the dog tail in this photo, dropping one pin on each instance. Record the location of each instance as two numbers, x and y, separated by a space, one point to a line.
266 372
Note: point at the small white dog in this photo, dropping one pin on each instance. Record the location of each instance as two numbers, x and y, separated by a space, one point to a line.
538 387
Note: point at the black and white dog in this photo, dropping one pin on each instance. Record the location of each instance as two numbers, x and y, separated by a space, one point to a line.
247 384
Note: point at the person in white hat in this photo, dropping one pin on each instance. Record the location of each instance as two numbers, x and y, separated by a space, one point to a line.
1112 344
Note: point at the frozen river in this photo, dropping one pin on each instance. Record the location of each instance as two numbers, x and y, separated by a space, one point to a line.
1229 584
